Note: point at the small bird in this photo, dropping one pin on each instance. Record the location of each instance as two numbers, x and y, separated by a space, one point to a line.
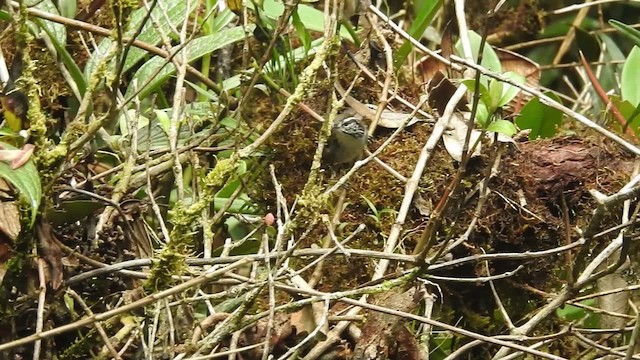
347 141
353 9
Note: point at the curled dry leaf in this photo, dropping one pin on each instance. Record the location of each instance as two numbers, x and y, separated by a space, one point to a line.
392 119
17 157
440 90
386 336
617 302
22 156
455 135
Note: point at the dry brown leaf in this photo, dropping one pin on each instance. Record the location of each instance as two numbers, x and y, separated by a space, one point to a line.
51 252
10 219
454 137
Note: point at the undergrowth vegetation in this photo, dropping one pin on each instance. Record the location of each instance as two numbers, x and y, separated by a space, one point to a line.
166 190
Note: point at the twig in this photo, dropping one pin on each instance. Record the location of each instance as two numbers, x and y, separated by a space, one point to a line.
123 309
42 295
99 328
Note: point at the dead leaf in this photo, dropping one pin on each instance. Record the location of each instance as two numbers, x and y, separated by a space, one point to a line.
23 156
427 67
424 207
455 135
392 119
440 90
51 252
10 219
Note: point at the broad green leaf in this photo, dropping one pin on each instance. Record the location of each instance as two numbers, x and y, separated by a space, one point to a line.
68 8
629 112
489 58
503 127
69 303
574 313
482 115
70 211
485 97
509 91
613 59
543 120
163 119
495 94
168 13
55 30
425 12
221 20
26 181
159 71
588 44
312 18
123 119
630 76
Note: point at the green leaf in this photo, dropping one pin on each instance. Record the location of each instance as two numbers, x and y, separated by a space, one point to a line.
424 16
68 302
159 71
168 13
163 119
630 76
57 31
626 30
629 112
485 98
70 211
503 127
482 115
543 120
303 33
68 8
509 91
495 94
490 59
573 313
372 207
26 181
312 18
221 21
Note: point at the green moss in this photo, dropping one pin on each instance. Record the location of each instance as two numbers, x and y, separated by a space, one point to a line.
169 262
219 175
